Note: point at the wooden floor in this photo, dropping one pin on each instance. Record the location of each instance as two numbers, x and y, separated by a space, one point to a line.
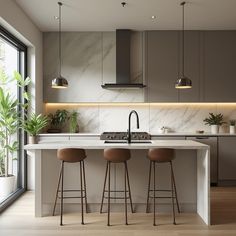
19 220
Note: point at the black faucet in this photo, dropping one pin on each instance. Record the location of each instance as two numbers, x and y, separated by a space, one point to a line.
128 132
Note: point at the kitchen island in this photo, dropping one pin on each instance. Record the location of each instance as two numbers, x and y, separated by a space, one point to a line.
192 159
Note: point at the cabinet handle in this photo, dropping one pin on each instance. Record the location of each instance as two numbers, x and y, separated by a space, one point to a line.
202 137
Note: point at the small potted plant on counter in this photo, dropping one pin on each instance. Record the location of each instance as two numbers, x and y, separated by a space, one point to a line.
215 121
33 125
74 127
232 126
57 121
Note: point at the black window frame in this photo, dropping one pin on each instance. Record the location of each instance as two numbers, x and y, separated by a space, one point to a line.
22 136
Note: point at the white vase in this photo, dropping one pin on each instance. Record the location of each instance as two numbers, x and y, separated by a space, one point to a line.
32 139
214 129
232 129
6 185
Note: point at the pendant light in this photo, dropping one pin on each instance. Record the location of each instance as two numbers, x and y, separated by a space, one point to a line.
59 82
183 82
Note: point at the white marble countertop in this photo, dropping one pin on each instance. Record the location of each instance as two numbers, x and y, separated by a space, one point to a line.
99 144
69 134
152 134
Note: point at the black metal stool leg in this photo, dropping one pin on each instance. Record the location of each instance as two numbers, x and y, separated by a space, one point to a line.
104 186
126 217
58 185
81 192
109 185
154 193
172 196
149 182
62 183
130 197
85 190
176 197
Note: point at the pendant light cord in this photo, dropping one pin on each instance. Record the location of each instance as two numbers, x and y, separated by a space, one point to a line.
59 44
183 40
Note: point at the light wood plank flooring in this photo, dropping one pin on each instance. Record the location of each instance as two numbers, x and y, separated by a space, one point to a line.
19 220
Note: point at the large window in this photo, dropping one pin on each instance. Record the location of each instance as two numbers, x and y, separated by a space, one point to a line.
12 58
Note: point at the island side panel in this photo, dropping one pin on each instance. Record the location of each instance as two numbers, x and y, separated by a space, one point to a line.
203 185
38 183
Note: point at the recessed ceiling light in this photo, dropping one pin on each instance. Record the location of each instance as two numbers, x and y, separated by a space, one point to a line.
153 17
56 17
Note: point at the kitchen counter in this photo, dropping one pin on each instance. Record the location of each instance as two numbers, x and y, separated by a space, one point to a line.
191 168
154 134
99 144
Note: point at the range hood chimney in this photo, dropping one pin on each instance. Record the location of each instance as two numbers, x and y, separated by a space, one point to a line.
123 41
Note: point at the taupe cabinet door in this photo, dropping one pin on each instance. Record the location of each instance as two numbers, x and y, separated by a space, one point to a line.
219 66
210 62
192 65
227 158
162 66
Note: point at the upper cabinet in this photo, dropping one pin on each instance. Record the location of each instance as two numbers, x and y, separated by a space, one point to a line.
89 60
162 65
219 66
192 66
210 62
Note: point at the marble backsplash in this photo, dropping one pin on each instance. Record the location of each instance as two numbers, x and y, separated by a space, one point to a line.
97 118
88 61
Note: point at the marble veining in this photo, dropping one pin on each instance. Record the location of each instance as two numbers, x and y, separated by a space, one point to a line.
177 117
88 61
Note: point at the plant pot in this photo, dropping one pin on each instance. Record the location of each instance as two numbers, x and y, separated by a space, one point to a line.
214 129
32 139
232 129
6 185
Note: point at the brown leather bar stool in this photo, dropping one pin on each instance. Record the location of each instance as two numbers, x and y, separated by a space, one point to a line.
71 155
116 155
161 155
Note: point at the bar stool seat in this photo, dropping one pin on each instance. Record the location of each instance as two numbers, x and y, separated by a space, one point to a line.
115 156
71 155
161 155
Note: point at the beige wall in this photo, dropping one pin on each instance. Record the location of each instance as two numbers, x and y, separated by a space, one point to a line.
17 22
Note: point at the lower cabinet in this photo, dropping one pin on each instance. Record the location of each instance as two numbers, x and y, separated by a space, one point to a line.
227 160
212 142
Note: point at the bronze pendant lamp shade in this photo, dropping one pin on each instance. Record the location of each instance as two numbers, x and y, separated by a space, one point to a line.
183 82
59 82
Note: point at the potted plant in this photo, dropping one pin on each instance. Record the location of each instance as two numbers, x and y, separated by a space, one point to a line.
232 126
73 125
10 116
33 125
214 120
57 121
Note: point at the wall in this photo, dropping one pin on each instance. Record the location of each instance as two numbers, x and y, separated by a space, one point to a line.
17 22
97 118
88 61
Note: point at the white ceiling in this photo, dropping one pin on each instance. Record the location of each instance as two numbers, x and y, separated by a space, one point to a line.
108 15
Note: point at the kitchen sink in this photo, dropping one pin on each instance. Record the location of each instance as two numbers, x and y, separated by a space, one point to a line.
125 141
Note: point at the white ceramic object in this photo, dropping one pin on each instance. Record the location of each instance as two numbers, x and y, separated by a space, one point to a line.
232 129
214 129
6 185
161 131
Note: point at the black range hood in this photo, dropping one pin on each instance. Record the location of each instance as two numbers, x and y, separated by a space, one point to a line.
123 39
